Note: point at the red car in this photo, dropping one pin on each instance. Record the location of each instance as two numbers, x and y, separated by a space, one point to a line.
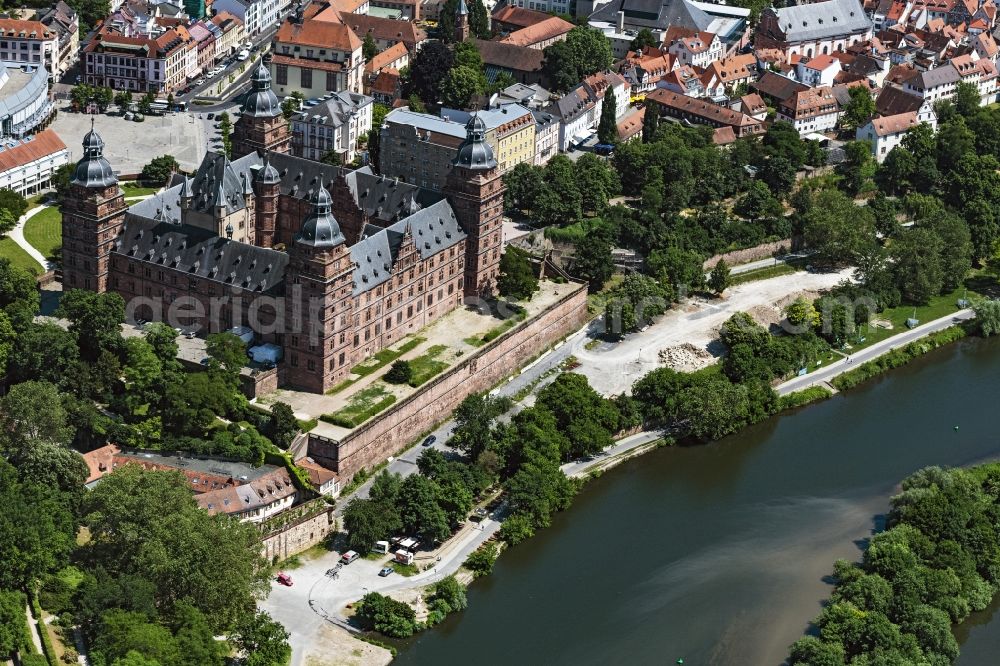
284 579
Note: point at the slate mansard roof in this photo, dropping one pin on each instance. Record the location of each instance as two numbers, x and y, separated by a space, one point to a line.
153 232
822 20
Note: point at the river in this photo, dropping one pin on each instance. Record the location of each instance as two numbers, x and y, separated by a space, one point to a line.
718 554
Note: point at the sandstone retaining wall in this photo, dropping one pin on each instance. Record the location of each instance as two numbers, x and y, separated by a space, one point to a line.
762 251
393 431
299 535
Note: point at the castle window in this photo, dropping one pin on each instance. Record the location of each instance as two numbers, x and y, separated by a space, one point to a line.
341 358
295 360
311 364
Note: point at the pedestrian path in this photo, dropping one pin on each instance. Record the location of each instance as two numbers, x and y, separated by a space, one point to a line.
17 235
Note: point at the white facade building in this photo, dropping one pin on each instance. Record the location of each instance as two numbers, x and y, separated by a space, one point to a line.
887 132
27 165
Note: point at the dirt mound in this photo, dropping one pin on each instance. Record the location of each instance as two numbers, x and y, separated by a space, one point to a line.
808 295
685 357
765 315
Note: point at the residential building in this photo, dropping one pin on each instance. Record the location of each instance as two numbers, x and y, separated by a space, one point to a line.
332 126
510 131
523 64
886 132
30 42
386 88
819 70
533 96
231 34
685 81
733 71
776 88
630 127
394 57
753 105
409 10
645 69
256 15
539 35
325 481
576 111
934 84
703 112
544 6
316 57
386 32
811 111
65 22
546 136
418 148
28 164
138 64
204 48
511 18
698 50
819 28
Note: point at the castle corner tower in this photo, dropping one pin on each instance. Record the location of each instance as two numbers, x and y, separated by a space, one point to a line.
319 308
475 190
93 212
261 126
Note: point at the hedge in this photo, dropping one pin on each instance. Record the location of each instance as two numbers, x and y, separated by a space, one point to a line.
897 358
50 653
803 397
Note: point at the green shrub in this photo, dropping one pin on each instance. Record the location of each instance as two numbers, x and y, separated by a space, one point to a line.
399 373
481 561
516 529
897 358
803 397
386 615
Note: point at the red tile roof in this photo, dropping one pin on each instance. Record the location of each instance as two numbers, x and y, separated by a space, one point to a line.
30 149
550 28
316 33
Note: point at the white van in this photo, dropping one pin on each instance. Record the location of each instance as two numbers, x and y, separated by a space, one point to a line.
381 547
243 55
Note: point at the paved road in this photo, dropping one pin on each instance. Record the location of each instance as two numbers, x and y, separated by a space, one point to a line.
763 263
581 467
824 375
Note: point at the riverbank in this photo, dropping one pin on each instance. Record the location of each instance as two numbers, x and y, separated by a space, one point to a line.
729 542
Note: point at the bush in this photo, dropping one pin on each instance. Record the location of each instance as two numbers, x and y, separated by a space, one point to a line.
386 615
803 397
481 562
399 373
34 660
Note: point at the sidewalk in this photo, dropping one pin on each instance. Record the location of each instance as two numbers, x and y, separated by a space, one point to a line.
17 234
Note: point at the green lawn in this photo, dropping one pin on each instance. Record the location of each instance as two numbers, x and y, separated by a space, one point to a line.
426 366
44 231
764 273
939 306
136 190
362 406
18 257
383 357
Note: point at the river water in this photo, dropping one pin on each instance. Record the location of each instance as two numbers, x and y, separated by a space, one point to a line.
717 554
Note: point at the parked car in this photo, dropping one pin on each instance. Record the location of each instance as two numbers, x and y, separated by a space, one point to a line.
385 571
430 440
210 116
349 557
284 579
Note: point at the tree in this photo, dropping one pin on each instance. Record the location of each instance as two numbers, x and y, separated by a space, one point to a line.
31 412
634 303
38 530
956 248
917 265
18 293
592 260
859 109
475 419
650 121
292 104
284 425
145 106
758 202
12 623
720 279
44 352
103 97
419 510
481 561
368 521
263 641
517 277
517 528
428 68
460 85
778 173
122 632
967 100
61 179
987 316
538 489
522 185
802 314
643 39
596 181
368 47
607 128
836 228
226 131
96 320
859 166
582 414
226 356
144 521
386 615
400 373
123 100
449 593
159 169
585 51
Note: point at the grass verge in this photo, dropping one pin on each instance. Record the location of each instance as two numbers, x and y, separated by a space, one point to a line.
497 331
765 273
380 359
406 570
362 406
44 231
133 189
897 358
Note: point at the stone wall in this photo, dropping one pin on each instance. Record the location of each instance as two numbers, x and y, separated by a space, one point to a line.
299 535
763 251
393 431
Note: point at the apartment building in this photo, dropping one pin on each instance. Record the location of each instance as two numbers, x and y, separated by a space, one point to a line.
332 126
316 57
138 64
30 42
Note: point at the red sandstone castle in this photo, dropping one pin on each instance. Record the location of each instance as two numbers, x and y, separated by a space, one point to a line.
331 264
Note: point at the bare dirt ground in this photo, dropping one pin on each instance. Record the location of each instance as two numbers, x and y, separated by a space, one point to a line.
333 646
685 335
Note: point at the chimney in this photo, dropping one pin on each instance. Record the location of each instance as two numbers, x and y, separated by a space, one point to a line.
621 21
